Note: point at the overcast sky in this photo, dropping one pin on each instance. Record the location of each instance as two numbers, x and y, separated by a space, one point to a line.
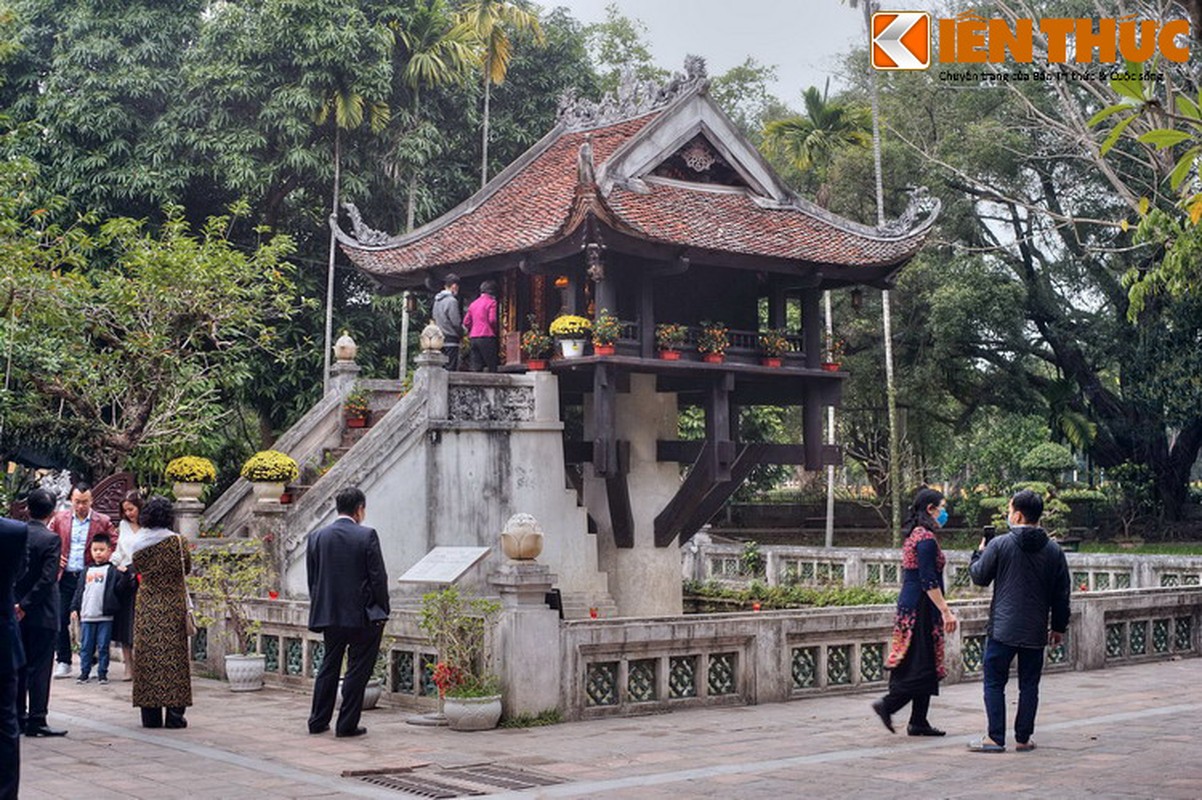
804 39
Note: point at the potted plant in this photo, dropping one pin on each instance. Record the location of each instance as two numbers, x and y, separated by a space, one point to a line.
461 628
773 344
268 471
572 332
225 580
536 345
834 354
712 342
669 338
189 475
606 331
355 407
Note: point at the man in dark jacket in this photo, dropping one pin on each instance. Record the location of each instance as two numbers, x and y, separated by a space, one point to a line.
348 605
38 600
1030 579
449 320
12 657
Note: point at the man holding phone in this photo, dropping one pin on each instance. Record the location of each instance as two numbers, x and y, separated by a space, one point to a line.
1030 579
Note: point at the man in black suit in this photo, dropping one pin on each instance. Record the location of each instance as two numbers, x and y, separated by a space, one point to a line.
12 655
348 605
37 604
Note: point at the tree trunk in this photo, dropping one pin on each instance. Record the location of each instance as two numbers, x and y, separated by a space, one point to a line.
484 141
329 337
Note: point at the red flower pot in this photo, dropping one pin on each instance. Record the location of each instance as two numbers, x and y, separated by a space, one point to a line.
536 364
274 595
286 498
713 358
604 349
831 366
771 361
356 422
669 355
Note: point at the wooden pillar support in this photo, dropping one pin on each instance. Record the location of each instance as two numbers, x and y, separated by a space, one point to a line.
811 327
811 428
777 313
646 317
700 480
611 458
718 426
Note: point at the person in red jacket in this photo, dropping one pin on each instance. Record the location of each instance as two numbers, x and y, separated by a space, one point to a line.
76 528
481 324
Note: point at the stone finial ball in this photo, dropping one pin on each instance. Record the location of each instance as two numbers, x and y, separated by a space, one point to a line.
522 538
345 348
432 338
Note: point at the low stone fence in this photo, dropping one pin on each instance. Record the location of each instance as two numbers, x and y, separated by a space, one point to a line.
631 666
855 566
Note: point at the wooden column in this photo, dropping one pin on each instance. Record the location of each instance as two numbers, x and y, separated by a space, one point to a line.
611 459
811 327
717 427
778 316
646 317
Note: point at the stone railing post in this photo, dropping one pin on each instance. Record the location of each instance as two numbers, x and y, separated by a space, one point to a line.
345 371
267 525
528 635
431 375
187 517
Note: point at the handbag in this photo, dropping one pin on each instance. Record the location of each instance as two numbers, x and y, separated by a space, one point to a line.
189 618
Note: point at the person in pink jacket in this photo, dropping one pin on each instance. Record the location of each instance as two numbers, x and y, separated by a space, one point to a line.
481 324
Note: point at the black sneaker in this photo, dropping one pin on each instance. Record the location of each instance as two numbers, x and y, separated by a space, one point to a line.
103 681
82 679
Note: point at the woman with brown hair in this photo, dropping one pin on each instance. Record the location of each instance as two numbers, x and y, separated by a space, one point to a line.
162 672
129 530
915 657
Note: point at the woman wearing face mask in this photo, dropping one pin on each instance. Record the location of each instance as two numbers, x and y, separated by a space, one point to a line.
915 657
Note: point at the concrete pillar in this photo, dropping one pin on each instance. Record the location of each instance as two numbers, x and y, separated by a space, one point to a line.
267 525
431 377
644 580
343 376
527 645
187 517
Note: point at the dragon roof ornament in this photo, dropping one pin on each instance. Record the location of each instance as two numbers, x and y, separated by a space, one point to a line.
634 97
920 201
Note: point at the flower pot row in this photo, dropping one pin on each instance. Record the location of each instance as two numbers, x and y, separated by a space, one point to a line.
774 362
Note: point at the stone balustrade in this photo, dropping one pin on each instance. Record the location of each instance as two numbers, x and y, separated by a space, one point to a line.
853 566
630 666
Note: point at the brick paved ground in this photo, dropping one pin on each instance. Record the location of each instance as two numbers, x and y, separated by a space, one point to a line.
1128 732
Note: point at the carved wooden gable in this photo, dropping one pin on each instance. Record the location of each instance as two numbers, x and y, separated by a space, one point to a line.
698 161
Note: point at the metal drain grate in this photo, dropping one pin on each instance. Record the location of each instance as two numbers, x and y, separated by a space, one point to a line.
469 781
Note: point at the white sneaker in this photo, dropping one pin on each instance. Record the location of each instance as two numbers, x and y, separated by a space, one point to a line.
62 670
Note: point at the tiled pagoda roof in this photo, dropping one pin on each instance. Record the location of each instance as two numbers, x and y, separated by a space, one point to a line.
550 192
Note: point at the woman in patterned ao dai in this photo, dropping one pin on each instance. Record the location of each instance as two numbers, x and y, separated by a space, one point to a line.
162 667
915 657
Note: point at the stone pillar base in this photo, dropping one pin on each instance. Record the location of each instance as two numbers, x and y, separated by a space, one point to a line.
187 517
527 646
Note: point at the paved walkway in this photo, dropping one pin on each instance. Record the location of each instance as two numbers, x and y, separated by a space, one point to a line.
1128 732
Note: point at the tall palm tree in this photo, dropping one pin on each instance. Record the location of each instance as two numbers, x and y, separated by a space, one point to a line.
346 109
869 7
811 141
437 52
492 22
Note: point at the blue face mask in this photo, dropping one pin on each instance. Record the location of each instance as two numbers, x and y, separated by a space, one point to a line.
942 518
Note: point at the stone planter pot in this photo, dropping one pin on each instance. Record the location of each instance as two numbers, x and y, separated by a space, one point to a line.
267 491
245 672
472 713
571 348
371 694
188 490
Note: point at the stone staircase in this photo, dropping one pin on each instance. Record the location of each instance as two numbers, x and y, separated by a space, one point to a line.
445 464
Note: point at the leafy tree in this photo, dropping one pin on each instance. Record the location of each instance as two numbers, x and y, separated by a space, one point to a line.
129 337
492 22
1029 293
620 43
